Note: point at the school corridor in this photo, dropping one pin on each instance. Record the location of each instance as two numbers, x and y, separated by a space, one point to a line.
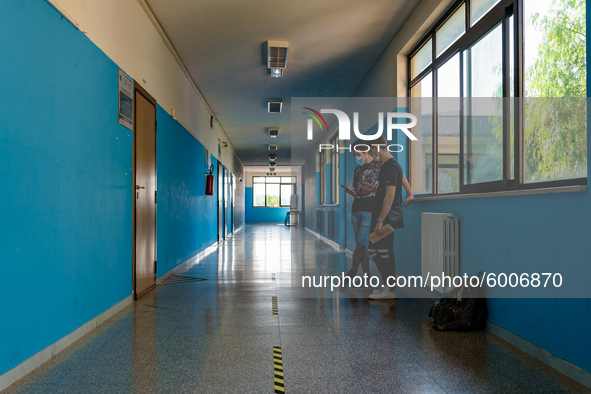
187 183
219 333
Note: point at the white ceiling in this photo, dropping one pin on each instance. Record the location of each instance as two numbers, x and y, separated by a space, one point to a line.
333 44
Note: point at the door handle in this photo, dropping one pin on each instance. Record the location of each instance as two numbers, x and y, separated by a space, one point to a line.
139 187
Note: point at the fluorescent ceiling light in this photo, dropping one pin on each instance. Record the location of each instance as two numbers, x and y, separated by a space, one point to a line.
277 57
275 106
273 132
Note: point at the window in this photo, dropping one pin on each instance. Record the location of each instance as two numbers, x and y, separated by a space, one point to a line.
421 151
451 30
334 171
472 136
272 191
322 170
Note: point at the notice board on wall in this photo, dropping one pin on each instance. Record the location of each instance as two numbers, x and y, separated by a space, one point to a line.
125 100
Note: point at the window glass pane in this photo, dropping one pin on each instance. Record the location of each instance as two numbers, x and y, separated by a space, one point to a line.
334 178
451 30
555 77
421 151
286 192
258 179
448 125
288 179
478 8
483 109
272 195
273 179
322 183
258 195
421 59
512 94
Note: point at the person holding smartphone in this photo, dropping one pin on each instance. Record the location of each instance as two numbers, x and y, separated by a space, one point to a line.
387 210
366 172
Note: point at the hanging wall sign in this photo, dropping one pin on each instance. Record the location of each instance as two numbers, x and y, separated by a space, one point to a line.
125 100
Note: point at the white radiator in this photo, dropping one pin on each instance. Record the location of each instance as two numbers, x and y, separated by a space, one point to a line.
439 247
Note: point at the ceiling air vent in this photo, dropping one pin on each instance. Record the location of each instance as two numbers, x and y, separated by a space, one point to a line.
273 132
273 146
274 106
277 54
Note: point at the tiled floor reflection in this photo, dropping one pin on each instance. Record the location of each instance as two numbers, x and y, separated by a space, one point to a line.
217 336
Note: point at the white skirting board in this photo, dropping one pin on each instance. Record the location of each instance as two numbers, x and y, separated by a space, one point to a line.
559 364
44 355
330 242
189 263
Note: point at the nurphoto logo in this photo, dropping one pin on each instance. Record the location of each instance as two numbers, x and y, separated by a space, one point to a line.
392 119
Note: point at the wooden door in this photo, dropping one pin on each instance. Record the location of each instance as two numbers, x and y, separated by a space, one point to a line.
144 264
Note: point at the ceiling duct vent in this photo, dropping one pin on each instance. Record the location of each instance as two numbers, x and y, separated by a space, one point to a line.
277 54
273 146
275 106
273 132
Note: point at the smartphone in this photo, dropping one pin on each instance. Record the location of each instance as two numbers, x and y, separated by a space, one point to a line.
346 187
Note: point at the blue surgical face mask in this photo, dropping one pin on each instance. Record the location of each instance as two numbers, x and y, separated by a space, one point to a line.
360 161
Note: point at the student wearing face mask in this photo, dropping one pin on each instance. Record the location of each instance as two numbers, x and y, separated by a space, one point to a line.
387 210
366 172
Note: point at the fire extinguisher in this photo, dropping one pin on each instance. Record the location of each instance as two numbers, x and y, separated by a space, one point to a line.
209 183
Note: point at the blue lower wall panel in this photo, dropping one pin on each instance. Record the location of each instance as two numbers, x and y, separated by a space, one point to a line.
66 174
256 215
187 218
509 234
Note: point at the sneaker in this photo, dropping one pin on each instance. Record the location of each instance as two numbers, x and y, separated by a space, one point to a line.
385 293
377 291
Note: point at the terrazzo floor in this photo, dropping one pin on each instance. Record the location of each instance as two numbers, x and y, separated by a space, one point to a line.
217 335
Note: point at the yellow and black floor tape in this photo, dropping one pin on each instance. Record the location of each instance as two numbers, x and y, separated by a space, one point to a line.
275 309
278 367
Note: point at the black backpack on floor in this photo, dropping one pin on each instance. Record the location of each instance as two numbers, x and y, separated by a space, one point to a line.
463 309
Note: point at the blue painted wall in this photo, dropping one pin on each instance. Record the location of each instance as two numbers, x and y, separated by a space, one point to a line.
256 215
66 170
66 175
510 234
187 218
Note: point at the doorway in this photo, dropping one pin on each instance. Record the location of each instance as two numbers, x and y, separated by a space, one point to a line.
227 203
144 206
221 203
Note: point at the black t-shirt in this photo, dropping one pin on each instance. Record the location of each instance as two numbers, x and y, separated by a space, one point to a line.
364 200
390 175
